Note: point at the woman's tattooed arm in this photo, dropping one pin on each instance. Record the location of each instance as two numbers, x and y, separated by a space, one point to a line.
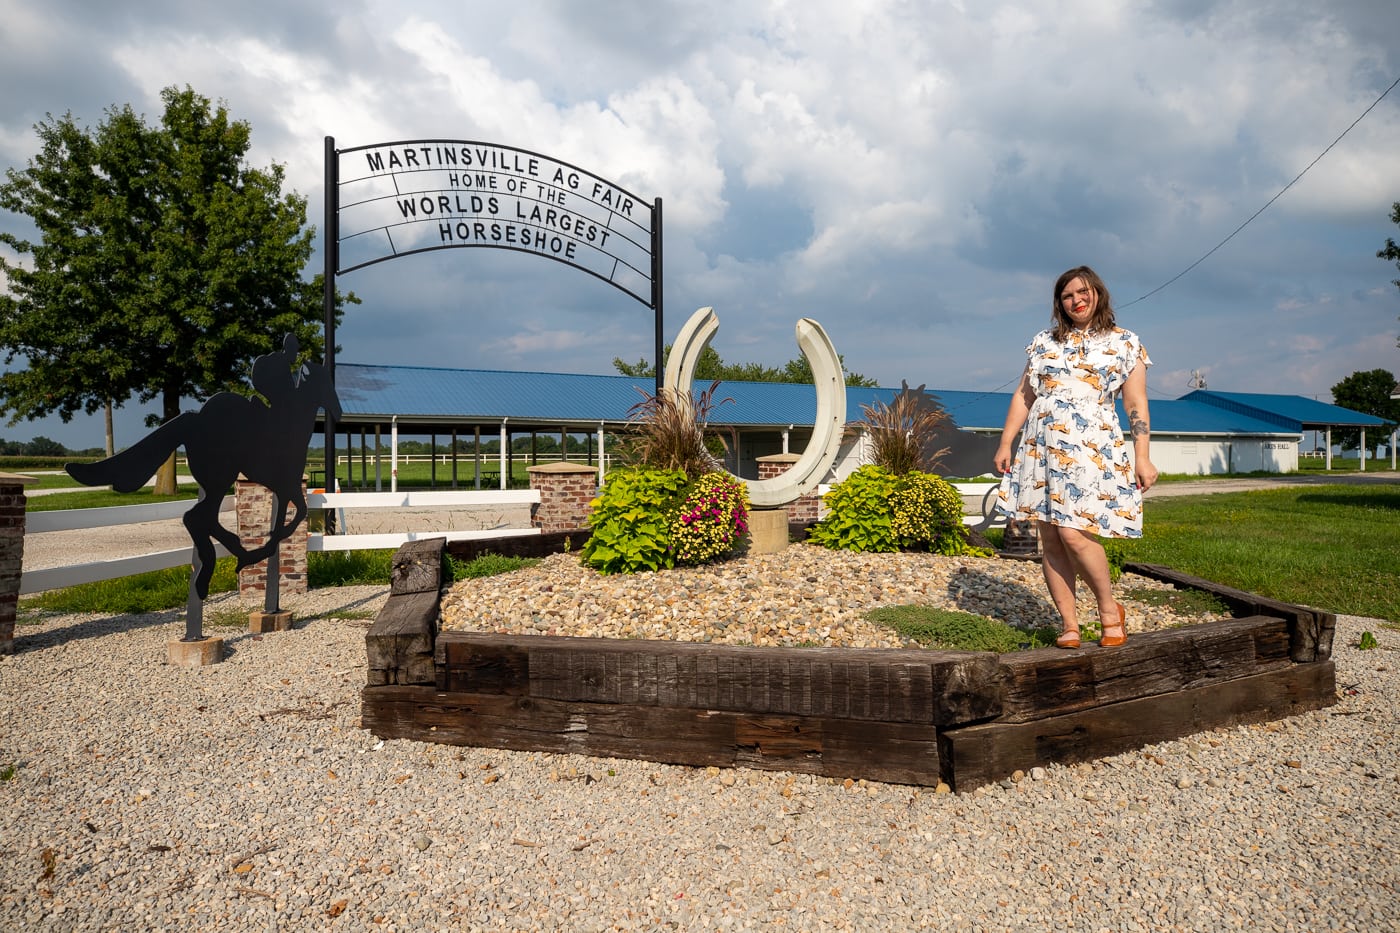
1137 425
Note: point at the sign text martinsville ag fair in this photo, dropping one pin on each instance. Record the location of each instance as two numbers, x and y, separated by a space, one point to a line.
408 197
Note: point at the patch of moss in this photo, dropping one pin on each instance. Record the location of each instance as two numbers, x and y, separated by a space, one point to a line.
487 565
1184 602
961 631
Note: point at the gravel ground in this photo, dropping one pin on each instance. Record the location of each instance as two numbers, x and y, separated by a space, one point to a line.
806 595
245 796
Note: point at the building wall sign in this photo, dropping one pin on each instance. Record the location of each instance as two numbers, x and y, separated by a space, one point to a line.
409 197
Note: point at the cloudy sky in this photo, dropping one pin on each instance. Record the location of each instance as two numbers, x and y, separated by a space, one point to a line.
913 175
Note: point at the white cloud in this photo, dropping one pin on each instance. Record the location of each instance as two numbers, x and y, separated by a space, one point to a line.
913 175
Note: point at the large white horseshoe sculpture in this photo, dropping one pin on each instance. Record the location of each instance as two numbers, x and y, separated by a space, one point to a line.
804 475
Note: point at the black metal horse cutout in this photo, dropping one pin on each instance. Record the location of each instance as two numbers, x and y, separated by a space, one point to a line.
229 435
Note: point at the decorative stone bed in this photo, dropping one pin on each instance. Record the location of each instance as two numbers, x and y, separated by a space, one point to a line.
915 716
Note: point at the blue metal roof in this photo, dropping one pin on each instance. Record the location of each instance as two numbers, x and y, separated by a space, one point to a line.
454 396
1295 411
424 393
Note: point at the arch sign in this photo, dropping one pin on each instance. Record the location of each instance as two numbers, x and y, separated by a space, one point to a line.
388 200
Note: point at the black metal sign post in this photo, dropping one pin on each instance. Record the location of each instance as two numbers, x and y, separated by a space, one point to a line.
395 199
332 261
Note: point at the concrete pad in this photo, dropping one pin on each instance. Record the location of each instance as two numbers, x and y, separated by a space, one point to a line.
200 653
260 622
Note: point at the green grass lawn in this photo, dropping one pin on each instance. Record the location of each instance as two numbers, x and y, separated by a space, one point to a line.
84 498
1350 464
1332 547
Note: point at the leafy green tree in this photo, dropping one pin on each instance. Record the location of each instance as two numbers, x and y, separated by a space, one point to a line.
1369 393
1392 251
43 446
163 264
711 367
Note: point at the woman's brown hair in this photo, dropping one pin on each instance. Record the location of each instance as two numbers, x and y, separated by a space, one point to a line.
1101 322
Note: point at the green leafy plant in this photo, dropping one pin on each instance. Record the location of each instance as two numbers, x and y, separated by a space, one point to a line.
876 510
1368 641
927 514
631 521
8 772
712 520
858 515
1117 556
962 631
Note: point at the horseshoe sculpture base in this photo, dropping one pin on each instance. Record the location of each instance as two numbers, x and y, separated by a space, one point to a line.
768 531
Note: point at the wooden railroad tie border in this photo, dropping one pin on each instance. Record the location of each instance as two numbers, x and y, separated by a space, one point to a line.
899 715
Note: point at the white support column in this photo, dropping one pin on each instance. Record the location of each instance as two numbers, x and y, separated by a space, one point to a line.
602 460
1363 450
1392 450
394 454
1329 447
504 443
378 460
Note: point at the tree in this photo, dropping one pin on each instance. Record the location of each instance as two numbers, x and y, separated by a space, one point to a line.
163 265
1369 393
43 446
1392 251
711 367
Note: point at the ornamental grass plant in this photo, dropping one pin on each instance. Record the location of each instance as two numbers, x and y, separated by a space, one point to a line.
902 431
669 432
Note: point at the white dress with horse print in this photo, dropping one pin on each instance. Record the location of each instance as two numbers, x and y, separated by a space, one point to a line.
1072 467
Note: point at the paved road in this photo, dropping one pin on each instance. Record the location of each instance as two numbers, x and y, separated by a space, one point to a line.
1207 486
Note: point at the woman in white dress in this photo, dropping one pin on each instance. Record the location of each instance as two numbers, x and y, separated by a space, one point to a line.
1071 472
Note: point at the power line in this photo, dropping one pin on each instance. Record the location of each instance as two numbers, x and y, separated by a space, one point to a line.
1217 246
1270 201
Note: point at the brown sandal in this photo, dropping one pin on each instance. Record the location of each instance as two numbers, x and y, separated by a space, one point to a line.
1069 638
1121 629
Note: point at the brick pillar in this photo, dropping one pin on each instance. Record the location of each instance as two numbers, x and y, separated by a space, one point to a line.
1021 539
253 505
804 510
566 489
12 503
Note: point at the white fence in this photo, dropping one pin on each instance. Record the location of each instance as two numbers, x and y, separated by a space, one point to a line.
35 581
340 501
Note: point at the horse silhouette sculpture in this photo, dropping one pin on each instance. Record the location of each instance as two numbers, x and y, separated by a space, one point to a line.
229 435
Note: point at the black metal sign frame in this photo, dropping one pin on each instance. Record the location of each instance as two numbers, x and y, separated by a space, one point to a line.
415 196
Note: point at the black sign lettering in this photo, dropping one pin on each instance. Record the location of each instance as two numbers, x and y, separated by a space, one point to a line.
435 194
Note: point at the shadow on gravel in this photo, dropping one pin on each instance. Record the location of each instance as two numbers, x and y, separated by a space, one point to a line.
971 590
27 639
318 608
